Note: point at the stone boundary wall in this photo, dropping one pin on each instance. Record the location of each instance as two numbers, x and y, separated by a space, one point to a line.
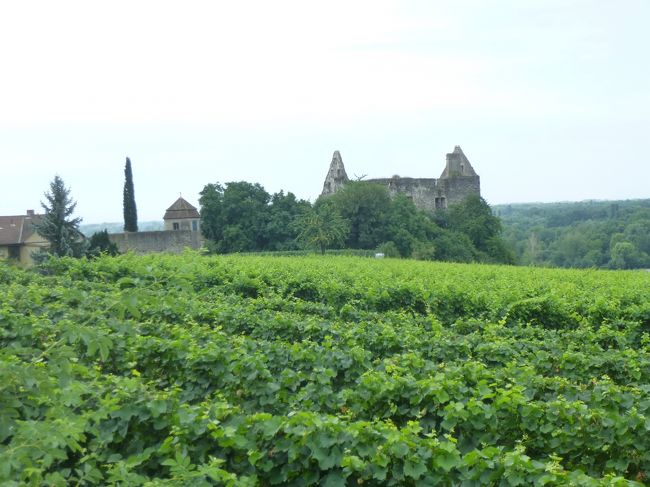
171 241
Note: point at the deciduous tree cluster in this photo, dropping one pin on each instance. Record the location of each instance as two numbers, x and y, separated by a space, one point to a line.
242 217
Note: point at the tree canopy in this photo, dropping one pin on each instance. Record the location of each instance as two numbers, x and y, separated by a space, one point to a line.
365 206
100 243
582 234
322 227
243 217
57 225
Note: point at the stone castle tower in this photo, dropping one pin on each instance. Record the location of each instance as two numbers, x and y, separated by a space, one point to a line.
457 181
336 176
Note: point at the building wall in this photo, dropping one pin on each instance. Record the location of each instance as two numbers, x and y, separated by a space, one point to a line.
184 224
24 257
456 189
430 194
171 241
32 245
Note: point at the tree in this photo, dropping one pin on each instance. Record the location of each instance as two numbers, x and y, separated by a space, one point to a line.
323 227
56 226
366 207
638 233
407 226
281 233
234 218
130 211
212 218
473 217
100 243
626 256
452 246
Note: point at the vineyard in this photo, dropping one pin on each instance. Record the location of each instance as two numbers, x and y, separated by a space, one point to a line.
335 371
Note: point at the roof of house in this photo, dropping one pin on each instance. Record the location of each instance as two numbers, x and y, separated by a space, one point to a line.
181 209
15 230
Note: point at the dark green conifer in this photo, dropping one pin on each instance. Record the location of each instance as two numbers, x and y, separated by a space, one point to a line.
57 226
130 211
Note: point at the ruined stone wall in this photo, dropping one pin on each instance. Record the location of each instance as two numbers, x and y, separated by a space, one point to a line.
173 242
457 181
336 176
456 189
422 191
430 194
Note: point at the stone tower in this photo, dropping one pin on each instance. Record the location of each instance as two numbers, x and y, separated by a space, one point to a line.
336 176
182 216
457 165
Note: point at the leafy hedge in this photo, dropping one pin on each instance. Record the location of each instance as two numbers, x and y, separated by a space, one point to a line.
244 370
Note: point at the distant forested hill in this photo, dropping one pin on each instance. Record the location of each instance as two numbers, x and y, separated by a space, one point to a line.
605 234
118 227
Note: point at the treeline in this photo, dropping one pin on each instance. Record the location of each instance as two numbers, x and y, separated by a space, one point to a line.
244 217
603 234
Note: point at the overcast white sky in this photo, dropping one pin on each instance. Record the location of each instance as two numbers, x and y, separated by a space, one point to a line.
549 99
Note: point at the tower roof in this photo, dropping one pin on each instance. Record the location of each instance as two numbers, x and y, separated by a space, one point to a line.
181 209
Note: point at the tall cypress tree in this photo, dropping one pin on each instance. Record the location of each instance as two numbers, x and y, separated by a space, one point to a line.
130 211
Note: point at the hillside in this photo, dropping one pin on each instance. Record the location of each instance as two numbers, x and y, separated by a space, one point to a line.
242 370
606 234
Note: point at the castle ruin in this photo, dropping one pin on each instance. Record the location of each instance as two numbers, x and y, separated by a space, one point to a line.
457 181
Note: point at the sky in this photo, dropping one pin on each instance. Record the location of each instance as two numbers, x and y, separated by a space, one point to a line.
549 99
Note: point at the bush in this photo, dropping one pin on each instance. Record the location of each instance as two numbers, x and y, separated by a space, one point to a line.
389 249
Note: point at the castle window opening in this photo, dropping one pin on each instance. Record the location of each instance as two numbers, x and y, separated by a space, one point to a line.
176 226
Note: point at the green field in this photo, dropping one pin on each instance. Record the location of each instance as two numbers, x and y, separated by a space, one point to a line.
244 370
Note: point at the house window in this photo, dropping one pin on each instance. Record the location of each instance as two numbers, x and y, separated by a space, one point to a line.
176 226
195 225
